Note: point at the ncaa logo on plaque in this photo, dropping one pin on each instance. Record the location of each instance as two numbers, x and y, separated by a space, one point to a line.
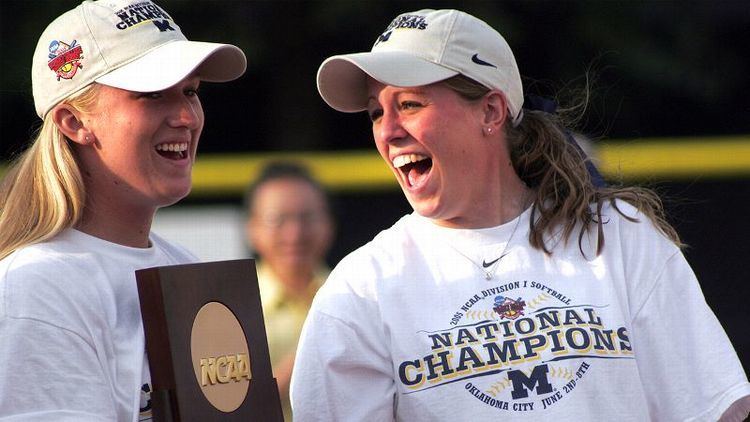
220 356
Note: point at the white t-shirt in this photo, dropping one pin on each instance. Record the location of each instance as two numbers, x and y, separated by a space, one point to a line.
72 346
408 328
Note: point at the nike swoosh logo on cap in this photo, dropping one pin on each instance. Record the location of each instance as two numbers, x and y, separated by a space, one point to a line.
488 264
475 58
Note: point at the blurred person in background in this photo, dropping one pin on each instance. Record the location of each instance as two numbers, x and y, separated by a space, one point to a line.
290 228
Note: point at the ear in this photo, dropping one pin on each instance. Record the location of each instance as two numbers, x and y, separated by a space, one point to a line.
494 112
68 120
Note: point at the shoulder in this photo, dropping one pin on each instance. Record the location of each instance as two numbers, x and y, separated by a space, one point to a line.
359 273
176 252
271 293
621 207
48 281
384 251
618 212
41 261
624 221
627 238
635 245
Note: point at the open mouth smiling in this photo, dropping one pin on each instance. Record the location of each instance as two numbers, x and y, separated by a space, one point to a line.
173 150
414 168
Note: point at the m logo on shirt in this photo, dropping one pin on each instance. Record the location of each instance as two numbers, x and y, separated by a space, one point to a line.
519 355
522 383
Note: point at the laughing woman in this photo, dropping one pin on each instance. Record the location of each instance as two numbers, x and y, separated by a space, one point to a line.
122 120
520 288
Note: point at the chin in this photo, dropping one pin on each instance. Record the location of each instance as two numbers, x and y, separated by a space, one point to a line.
173 196
424 208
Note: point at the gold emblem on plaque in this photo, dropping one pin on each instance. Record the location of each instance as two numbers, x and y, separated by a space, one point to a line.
220 355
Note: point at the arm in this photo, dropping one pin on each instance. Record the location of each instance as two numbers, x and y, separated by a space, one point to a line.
738 411
342 373
283 373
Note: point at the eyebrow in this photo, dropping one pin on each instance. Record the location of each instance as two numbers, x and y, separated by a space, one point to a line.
412 90
417 90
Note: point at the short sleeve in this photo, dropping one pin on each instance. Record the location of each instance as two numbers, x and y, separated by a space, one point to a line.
339 375
50 373
686 362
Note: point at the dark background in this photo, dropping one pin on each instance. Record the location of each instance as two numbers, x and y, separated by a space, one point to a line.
660 69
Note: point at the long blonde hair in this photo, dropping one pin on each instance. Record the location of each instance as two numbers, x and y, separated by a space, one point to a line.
548 163
43 193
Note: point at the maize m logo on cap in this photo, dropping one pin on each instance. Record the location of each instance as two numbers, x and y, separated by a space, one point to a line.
403 22
65 59
142 12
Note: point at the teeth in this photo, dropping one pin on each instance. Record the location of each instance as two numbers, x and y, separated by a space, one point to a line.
176 147
405 159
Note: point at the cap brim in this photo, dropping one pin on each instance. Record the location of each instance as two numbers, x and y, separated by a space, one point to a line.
168 64
342 80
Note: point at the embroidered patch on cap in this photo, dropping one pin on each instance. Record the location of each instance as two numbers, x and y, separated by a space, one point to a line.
401 22
142 12
65 59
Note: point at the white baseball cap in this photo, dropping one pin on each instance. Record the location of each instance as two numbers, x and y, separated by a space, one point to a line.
420 48
128 44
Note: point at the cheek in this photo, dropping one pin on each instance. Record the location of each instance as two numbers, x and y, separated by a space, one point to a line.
200 116
381 146
324 239
428 128
117 136
196 109
264 242
107 123
128 130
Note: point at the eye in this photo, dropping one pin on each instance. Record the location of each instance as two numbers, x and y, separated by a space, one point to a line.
408 105
150 95
191 92
376 114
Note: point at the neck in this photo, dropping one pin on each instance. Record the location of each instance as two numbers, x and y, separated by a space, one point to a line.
513 203
115 211
122 225
295 281
511 200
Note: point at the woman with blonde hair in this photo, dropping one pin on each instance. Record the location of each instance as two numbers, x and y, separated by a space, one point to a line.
521 287
116 85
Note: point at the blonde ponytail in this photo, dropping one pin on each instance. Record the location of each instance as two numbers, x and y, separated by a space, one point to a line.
43 193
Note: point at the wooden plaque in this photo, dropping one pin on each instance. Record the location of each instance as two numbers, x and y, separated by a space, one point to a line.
206 343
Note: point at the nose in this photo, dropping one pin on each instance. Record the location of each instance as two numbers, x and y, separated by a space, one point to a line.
187 112
388 128
293 230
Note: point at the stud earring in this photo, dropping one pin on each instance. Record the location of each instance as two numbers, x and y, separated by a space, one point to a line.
489 130
88 139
